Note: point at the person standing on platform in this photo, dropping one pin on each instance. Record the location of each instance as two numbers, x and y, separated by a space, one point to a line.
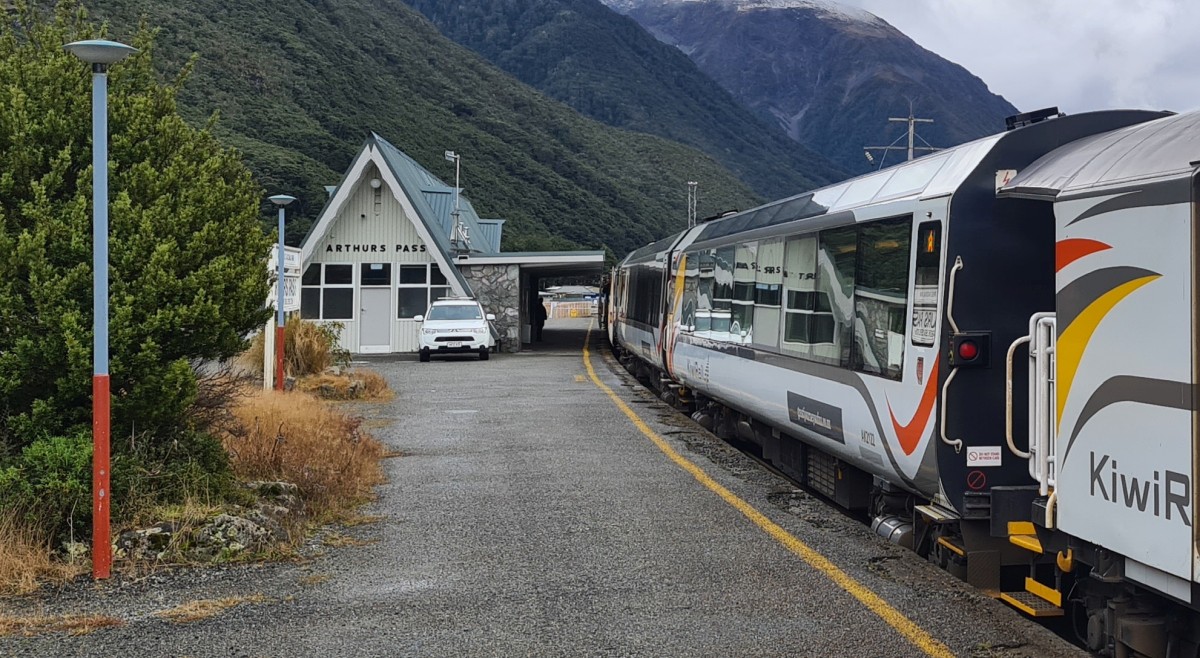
539 320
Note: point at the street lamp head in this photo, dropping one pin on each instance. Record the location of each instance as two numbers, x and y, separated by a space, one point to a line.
281 199
99 51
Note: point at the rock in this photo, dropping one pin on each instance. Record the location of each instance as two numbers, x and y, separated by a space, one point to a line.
143 544
327 391
227 536
336 371
282 494
356 388
74 550
289 383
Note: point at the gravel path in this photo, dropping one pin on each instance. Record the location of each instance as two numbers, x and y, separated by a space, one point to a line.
526 516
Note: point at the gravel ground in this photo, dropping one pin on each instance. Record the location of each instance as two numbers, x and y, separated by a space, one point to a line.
527 516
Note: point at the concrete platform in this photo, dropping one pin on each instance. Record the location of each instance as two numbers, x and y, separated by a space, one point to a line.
533 518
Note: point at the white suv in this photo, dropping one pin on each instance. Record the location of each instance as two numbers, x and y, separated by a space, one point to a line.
455 326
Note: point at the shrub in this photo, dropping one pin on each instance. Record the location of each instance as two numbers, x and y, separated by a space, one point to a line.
309 348
49 486
297 438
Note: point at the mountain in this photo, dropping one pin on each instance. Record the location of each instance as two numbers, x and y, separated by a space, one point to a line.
608 68
298 90
830 75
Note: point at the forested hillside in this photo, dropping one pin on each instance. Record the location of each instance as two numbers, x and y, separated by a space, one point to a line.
299 89
607 67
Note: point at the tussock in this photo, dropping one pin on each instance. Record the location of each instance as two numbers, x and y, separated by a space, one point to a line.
296 438
338 387
26 561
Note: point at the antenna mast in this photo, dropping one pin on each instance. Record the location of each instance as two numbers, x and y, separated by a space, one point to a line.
912 122
692 203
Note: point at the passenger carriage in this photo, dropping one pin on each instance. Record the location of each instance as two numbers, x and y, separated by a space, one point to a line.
869 338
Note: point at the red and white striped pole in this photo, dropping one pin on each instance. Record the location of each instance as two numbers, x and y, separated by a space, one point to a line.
281 200
100 54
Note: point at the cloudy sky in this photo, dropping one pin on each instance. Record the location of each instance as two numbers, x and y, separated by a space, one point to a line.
1077 54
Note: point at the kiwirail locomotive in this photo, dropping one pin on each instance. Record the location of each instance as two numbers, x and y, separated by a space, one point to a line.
991 350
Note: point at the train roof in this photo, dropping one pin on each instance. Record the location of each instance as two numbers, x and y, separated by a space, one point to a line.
932 175
1162 149
939 174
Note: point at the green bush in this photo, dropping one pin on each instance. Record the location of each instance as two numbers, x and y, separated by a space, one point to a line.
50 484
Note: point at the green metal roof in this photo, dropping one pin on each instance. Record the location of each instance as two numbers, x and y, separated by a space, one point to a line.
434 201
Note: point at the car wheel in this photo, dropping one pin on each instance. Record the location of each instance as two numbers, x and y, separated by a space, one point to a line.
424 355
483 354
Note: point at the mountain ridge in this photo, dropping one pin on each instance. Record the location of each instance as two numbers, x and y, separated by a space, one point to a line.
830 84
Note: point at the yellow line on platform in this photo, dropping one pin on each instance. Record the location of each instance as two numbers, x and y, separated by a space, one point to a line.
905 626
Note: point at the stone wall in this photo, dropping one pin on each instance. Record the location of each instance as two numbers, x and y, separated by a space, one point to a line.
497 287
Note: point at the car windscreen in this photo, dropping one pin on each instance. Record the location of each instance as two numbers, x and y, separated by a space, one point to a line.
455 312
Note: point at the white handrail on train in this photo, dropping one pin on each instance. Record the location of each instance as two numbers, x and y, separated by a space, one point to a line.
1008 388
957 443
1042 425
1008 384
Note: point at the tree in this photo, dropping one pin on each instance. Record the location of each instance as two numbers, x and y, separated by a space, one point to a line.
187 270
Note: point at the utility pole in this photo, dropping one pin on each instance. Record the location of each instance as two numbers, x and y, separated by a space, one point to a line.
692 203
912 122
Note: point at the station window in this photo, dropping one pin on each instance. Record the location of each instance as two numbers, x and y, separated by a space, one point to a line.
337 295
375 274
327 292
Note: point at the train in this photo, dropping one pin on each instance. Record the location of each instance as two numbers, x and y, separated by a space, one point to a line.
991 352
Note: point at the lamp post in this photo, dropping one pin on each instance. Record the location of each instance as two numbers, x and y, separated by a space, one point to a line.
281 200
100 54
456 235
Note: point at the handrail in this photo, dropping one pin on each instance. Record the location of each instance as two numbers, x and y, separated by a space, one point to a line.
1008 388
958 265
957 443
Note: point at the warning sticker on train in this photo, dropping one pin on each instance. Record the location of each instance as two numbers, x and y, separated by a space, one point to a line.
984 456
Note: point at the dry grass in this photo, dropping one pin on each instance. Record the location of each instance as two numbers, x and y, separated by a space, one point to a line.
69 624
207 608
26 562
314 579
309 348
339 540
297 438
361 519
337 387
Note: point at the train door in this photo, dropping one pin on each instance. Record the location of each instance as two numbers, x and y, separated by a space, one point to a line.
925 292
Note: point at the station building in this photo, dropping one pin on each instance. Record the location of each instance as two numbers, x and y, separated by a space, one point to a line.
389 241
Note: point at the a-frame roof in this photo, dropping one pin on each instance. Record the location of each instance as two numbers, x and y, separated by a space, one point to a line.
425 197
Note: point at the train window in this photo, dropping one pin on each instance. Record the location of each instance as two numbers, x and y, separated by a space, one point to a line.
723 260
768 287
691 271
704 290
836 264
880 296
925 291
808 319
741 324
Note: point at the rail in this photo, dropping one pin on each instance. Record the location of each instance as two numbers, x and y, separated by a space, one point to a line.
1042 428
957 443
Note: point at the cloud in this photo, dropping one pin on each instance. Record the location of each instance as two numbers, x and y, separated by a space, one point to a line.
1080 55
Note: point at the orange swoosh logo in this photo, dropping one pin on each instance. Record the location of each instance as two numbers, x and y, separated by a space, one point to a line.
1071 250
909 435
